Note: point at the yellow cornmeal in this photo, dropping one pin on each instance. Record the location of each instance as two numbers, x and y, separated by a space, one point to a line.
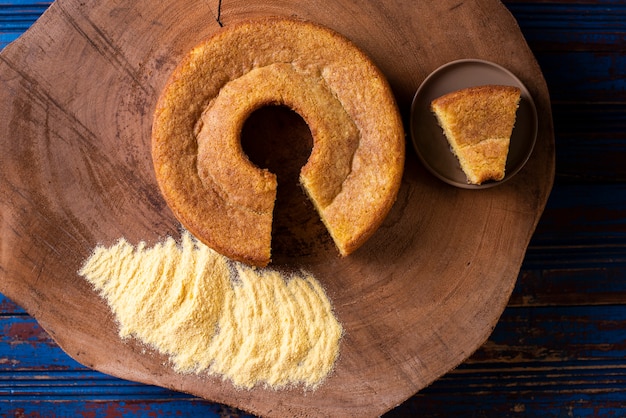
209 314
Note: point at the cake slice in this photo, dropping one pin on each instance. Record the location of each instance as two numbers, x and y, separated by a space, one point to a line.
478 122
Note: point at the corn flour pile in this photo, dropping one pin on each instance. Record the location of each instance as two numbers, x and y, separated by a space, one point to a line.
209 314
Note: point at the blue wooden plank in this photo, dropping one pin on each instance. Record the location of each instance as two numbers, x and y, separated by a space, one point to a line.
109 409
590 141
601 216
7 306
534 402
20 3
546 18
582 333
59 385
17 16
602 285
579 46
579 235
24 345
583 76
14 17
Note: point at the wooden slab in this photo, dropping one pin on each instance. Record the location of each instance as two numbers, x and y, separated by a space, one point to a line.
76 100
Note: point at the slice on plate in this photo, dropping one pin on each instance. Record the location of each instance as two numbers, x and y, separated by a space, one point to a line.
478 122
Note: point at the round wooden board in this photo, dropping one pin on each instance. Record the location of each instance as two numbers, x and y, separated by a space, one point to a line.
76 100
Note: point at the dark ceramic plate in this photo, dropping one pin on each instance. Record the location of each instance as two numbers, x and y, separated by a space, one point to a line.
429 140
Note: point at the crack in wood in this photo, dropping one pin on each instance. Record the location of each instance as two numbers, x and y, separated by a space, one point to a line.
219 13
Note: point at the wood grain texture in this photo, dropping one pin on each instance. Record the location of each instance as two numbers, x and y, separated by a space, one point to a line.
78 93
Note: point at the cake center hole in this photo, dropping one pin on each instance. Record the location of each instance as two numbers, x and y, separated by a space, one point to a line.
279 140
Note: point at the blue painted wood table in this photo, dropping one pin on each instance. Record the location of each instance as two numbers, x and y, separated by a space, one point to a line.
559 348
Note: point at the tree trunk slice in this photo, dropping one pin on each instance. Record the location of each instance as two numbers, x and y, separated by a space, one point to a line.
77 95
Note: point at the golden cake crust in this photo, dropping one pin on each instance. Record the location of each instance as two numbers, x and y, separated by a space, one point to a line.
353 173
478 122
